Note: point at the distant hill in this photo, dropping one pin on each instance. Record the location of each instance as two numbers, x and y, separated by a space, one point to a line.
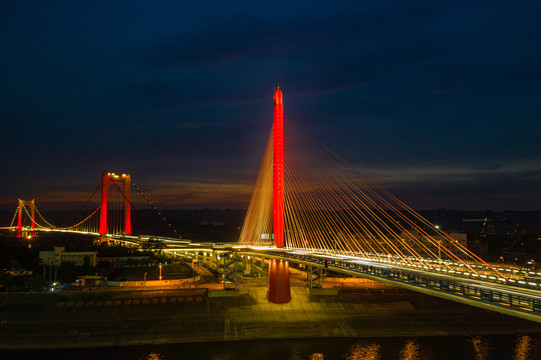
225 225
526 221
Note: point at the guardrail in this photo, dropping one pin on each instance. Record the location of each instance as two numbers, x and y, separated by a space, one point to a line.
401 275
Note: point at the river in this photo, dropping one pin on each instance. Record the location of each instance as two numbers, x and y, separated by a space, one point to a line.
508 347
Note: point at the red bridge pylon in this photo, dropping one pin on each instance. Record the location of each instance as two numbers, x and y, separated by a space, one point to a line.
22 204
124 181
279 291
279 288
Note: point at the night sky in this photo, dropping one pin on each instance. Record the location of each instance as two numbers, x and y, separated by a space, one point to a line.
439 102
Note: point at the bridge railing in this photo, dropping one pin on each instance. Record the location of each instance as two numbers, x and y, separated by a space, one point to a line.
530 280
401 275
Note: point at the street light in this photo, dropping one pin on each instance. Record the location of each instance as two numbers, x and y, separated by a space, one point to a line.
145 279
160 273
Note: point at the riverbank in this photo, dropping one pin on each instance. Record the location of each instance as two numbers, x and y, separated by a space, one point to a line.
30 321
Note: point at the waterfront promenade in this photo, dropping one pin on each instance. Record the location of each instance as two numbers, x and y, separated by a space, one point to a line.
31 321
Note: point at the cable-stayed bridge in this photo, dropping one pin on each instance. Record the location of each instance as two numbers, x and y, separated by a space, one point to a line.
310 206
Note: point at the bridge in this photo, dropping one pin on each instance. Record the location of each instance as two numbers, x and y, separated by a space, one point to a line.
112 223
309 206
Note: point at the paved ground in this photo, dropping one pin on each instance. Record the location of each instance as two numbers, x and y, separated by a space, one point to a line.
152 317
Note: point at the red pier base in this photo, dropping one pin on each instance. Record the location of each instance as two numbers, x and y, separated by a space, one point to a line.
279 291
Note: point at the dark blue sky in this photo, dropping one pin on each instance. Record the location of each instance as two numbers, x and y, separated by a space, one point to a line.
437 101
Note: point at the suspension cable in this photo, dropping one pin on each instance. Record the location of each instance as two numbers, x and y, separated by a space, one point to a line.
80 222
14 216
42 218
30 216
85 203
156 210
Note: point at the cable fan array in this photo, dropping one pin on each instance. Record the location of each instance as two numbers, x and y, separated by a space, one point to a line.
333 208
257 228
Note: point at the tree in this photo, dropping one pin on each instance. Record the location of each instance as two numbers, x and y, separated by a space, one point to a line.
39 282
152 244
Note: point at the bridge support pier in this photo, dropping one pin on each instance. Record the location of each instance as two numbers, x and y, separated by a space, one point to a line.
313 281
229 266
279 291
124 181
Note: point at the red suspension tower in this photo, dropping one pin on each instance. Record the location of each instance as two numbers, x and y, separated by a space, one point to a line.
124 181
22 204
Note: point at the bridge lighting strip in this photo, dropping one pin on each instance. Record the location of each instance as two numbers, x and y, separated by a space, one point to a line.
480 286
325 254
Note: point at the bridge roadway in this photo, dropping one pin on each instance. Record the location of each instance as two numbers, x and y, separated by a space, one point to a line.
503 298
517 297
495 294
128 239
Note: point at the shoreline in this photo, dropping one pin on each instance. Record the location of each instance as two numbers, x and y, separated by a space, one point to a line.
190 316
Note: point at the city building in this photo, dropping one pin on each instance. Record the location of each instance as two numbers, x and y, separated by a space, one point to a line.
59 256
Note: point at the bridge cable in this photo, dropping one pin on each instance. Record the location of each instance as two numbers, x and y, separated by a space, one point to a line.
14 216
406 208
332 207
156 210
80 222
73 217
342 174
30 217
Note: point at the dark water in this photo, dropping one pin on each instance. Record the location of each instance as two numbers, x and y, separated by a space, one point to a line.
516 347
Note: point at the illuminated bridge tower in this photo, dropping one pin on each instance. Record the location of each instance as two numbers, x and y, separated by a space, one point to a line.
278 179
124 181
22 204
279 291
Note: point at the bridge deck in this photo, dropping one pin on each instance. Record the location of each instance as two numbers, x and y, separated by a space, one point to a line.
491 294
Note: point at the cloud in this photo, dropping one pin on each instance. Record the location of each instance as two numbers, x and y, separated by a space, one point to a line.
527 168
45 199
298 44
187 193
199 193
414 91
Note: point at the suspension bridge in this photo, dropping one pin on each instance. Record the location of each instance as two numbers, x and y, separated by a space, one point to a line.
107 216
309 206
